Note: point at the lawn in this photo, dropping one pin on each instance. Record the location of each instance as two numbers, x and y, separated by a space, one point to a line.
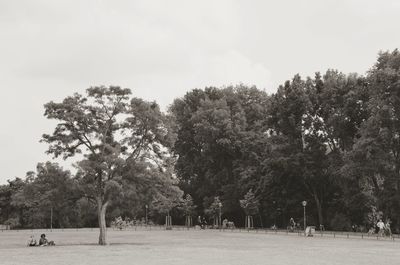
194 247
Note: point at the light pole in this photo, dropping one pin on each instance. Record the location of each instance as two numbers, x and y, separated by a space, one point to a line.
275 212
304 203
220 214
146 206
51 219
278 215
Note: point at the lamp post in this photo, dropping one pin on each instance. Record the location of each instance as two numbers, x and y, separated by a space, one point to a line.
220 214
278 215
304 203
51 219
275 212
146 206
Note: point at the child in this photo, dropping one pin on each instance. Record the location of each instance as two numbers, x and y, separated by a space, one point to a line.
31 241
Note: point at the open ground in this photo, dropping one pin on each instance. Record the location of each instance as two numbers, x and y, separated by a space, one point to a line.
197 247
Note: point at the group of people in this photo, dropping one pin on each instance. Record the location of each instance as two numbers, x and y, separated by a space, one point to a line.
226 224
121 223
42 241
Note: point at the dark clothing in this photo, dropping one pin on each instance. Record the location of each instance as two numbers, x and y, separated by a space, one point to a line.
43 241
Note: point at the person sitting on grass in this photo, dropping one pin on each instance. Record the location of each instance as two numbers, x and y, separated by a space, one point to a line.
44 242
31 241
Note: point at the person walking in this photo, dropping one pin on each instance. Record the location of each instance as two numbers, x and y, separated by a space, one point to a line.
381 227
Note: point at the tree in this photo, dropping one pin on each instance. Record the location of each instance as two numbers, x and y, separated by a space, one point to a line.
10 212
250 206
216 130
188 208
111 133
214 210
250 203
48 198
167 198
373 165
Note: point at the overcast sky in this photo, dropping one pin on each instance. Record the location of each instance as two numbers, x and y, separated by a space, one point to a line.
161 49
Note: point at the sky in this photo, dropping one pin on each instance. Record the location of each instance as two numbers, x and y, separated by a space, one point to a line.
50 49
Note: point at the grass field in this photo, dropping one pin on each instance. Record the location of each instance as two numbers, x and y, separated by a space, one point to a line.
197 247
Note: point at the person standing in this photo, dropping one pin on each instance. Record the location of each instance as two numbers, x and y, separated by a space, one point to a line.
292 224
381 227
387 228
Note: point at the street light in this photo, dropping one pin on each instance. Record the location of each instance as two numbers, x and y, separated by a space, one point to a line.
304 203
275 212
220 214
146 206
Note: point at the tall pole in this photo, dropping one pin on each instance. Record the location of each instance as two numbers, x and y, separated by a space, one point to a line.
146 212
274 202
51 218
220 214
304 203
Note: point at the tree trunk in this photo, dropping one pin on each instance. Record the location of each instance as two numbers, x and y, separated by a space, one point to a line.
101 214
261 221
319 209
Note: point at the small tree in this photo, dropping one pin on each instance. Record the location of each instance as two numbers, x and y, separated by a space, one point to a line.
215 211
188 208
250 206
374 216
166 200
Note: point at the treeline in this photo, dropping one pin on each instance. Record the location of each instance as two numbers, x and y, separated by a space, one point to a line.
332 140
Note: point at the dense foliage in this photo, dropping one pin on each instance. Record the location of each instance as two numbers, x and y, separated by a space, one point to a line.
332 140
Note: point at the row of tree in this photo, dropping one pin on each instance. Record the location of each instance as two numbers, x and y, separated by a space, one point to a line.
332 140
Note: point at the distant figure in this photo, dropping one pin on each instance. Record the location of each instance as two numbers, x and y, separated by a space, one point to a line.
203 223
387 228
231 225
225 223
44 242
292 225
31 241
371 231
381 227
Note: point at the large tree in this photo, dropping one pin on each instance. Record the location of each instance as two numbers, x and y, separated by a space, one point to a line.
373 164
110 133
48 198
215 128
10 213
